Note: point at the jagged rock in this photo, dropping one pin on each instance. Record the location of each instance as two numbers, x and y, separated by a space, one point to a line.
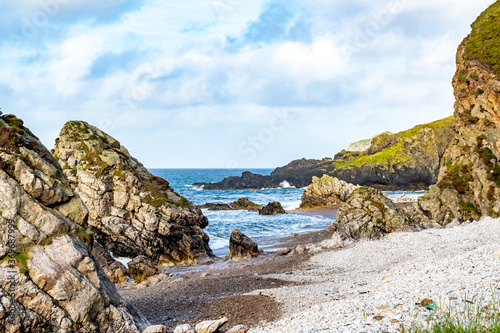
141 268
326 191
155 329
469 180
132 212
115 270
216 206
238 329
184 329
283 252
368 213
273 208
210 326
406 160
245 204
241 246
43 231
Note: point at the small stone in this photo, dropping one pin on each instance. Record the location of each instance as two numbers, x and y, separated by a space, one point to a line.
378 318
155 329
204 275
186 328
383 309
283 251
238 329
210 326
426 302
300 249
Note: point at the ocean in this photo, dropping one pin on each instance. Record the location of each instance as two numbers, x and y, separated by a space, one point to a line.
259 228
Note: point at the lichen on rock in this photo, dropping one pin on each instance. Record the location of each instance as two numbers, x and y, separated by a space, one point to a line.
132 212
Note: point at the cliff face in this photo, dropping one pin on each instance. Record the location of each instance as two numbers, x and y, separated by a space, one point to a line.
469 181
48 279
131 211
406 160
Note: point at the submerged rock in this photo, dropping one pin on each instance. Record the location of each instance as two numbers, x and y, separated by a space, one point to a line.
215 206
241 246
245 204
49 281
326 191
132 212
273 208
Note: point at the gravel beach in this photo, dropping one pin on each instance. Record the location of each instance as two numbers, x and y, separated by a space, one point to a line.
345 290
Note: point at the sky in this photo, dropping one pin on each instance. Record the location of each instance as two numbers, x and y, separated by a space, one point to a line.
231 83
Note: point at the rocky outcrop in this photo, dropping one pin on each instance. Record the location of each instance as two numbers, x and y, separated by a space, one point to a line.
132 212
115 270
48 279
405 160
326 191
369 214
245 204
363 145
240 204
469 181
241 246
141 268
273 208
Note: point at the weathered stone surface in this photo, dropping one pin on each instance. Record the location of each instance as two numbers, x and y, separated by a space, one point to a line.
238 329
155 329
469 180
273 208
132 212
141 268
210 326
59 287
245 204
241 246
115 270
184 329
326 191
368 213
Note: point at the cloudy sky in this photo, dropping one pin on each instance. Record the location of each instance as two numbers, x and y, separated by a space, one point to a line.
231 83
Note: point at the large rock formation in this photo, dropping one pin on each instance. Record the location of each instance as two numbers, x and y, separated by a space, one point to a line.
469 181
273 208
48 279
326 191
406 160
241 246
132 212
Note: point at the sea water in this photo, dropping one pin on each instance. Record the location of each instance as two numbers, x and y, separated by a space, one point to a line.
222 223
259 228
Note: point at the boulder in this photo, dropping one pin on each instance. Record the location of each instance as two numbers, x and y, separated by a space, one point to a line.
141 268
186 328
132 212
49 281
273 208
115 270
245 204
241 246
216 206
368 213
210 326
155 329
326 191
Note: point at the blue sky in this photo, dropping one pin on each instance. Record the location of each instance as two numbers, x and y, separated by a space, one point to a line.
231 83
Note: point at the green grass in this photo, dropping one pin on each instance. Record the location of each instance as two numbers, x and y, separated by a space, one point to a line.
475 318
394 154
483 42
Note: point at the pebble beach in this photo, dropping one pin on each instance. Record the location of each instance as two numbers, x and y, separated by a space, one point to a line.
378 286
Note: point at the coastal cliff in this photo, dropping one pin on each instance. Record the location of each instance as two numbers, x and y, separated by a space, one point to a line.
407 160
132 212
49 281
469 181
